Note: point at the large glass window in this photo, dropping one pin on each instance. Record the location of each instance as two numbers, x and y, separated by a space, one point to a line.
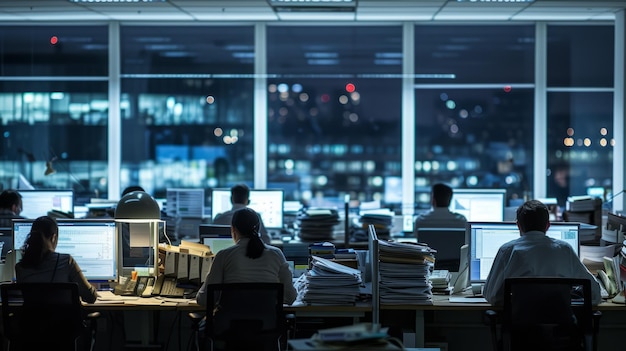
334 112
187 106
54 108
473 108
580 111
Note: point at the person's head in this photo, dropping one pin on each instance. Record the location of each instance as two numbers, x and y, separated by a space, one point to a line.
132 188
441 194
41 240
240 194
533 215
11 200
246 224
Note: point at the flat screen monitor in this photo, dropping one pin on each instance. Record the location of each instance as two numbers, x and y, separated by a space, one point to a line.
479 205
36 203
92 243
6 238
268 203
184 202
487 237
214 230
447 242
217 243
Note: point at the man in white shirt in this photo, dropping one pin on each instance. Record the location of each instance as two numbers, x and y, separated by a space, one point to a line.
240 198
535 255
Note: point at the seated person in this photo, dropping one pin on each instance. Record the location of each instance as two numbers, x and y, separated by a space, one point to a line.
249 260
10 207
440 215
40 263
240 198
535 255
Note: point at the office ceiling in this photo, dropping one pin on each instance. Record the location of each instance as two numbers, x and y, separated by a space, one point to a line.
261 10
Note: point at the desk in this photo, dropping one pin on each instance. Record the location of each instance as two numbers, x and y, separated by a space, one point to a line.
460 324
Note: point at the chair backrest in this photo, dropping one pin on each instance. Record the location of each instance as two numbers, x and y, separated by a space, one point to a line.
244 310
547 312
41 313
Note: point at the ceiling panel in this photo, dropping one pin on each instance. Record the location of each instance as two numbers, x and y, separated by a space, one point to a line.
260 10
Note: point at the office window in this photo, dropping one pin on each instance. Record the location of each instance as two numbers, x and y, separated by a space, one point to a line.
334 108
473 138
455 54
54 108
187 106
54 51
473 108
580 111
580 56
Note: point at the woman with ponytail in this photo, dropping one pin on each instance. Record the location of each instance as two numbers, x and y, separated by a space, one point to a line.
41 264
249 260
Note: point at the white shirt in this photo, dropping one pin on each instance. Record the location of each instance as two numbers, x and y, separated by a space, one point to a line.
535 255
231 265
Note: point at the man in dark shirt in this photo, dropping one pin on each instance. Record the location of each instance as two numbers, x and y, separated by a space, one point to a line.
10 207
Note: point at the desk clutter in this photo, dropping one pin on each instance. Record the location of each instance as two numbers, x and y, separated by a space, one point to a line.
405 273
316 224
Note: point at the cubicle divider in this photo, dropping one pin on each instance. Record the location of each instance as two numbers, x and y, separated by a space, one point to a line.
373 256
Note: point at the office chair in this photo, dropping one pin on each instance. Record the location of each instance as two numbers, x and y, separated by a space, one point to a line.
546 313
242 316
46 316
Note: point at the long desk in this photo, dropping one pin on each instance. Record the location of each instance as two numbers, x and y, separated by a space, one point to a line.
459 325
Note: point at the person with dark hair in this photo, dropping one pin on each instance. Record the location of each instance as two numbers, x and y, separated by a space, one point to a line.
10 207
440 215
132 188
240 198
40 263
249 260
534 254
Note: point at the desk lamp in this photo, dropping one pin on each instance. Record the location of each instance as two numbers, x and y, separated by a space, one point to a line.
138 215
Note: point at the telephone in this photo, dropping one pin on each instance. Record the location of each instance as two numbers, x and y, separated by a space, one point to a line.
145 285
166 286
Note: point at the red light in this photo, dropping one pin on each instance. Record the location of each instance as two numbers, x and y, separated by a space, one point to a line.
507 88
54 40
350 88
325 98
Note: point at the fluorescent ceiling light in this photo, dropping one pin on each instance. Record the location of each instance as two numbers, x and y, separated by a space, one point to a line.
313 5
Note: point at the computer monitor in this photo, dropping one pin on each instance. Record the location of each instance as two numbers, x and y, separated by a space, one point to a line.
268 203
184 202
487 237
6 238
214 230
36 203
447 242
217 243
479 205
92 243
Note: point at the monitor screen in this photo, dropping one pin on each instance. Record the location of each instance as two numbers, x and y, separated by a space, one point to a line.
184 202
6 239
267 202
479 205
487 237
36 203
214 230
92 243
217 243
447 242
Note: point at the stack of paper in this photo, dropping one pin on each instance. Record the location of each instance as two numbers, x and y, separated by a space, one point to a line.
440 281
330 283
317 224
382 219
404 273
